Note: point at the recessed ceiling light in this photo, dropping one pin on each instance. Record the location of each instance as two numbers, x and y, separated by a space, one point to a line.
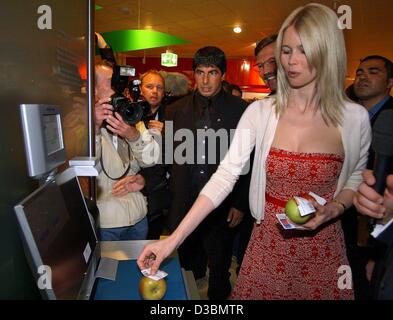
124 10
237 29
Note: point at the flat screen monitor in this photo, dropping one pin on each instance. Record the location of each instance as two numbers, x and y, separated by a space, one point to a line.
59 238
43 138
52 133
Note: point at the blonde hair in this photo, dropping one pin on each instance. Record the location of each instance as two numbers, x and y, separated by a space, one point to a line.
324 47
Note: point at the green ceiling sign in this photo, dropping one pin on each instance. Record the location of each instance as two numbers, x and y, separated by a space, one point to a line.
98 7
128 40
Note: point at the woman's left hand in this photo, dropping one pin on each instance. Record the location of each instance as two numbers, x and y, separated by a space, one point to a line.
323 214
128 184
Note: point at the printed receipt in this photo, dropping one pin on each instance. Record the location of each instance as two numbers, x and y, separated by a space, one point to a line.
159 275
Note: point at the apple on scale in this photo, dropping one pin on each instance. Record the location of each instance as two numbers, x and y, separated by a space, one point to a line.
152 287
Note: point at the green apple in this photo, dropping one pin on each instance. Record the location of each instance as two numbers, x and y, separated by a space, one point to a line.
292 211
151 289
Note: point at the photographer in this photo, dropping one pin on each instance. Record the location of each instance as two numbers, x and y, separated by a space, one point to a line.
122 150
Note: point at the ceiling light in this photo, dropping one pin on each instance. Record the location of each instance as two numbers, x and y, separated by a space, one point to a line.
245 65
124 10
169 59
237 29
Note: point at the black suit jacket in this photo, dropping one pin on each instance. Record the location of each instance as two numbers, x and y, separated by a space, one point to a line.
387 106
227 114
382 281
156 183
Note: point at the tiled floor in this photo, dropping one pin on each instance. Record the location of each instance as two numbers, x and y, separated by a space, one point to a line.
202 284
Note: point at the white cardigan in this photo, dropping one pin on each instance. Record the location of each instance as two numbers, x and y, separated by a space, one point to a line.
257 127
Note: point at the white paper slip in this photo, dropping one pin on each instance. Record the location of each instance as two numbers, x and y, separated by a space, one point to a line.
159 275
305 206
321 201
286 223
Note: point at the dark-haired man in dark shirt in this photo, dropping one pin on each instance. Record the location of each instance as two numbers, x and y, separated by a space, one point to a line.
208 108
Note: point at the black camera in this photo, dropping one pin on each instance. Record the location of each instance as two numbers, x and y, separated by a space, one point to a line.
131 112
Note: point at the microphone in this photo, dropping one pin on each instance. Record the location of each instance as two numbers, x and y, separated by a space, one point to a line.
382 145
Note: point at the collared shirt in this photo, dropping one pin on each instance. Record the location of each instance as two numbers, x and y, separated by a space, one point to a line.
205 111
374 110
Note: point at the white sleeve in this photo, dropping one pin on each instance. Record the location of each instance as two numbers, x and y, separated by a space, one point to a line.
223 180
145 149
356 178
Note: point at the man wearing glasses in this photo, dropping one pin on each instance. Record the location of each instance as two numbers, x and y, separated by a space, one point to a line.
266 61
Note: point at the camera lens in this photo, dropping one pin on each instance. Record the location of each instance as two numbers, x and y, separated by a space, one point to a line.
131 112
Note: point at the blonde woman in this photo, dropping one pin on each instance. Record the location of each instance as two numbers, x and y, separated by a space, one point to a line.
308 137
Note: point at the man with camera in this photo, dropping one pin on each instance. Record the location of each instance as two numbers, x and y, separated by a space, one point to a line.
122 150
152 87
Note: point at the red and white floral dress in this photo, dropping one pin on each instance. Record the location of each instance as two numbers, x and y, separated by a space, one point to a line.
293 264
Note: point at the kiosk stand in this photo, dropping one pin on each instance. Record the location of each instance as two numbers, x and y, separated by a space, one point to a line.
58 233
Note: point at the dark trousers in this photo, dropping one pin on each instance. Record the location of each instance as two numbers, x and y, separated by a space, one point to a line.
358 256
242 237
210 245
156 227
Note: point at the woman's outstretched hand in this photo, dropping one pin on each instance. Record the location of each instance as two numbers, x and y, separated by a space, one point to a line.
154 254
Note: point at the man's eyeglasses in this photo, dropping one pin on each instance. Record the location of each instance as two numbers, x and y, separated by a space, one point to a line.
263 65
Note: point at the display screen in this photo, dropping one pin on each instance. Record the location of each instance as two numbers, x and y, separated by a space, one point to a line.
52 133
63 234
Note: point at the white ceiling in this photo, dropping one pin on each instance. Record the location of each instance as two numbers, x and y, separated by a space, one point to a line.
210 22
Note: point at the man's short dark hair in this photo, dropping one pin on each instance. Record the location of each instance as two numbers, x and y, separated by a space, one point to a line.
388 63
264 43
210 56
